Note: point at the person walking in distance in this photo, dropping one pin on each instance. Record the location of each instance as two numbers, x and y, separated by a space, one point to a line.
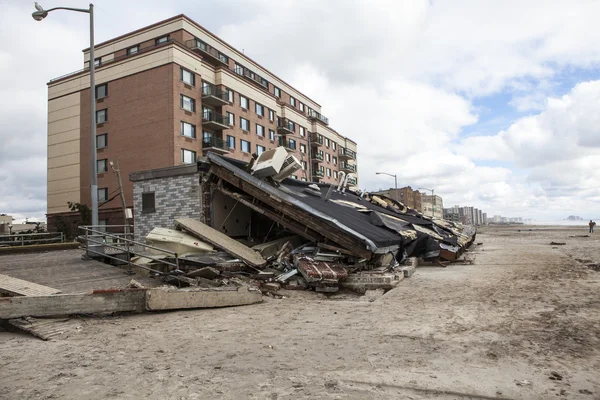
591 224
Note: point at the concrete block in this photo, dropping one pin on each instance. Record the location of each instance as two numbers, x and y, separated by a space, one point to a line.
363 281
408 271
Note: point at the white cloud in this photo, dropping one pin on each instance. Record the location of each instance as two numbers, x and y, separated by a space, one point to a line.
399 77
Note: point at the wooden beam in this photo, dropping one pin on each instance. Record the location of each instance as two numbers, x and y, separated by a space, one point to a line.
20 287
178 299
98 301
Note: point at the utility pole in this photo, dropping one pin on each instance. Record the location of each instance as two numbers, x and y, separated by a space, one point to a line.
125 222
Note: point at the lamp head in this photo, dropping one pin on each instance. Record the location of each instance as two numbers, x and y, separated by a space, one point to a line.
39 15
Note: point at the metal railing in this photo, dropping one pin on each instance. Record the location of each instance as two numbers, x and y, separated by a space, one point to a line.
315 115
318 156
316 139
214 91
318 173
215 117
348 167
95 238
22 239
214 142
197 44
288 144
285 125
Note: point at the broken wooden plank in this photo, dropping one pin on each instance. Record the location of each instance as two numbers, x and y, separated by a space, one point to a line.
98 301
220 240
46 328
175 299
20 287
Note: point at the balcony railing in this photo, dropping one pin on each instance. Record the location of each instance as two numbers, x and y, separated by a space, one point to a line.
215 144
348 167
286 127
316 139
318 173
215 57
347 153
211 119
288 144
352 181
214 95
318 156
312 114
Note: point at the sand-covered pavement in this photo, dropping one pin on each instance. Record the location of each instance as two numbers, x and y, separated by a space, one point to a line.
521 321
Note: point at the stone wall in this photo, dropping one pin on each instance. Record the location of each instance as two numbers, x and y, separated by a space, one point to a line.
175 197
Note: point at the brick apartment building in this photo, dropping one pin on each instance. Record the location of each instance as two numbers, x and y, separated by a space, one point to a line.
406 195
168 93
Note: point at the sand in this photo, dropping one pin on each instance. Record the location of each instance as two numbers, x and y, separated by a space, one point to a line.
501 326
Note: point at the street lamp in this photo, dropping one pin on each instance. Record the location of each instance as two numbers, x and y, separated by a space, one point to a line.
432 199
395 181
39 15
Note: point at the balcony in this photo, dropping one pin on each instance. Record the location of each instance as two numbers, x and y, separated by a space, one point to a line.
285 126
288 144
317 173
347 167
352 181
251 76
214 144
214 96
316 139
347 154
208 53
313 115
318 156
214 121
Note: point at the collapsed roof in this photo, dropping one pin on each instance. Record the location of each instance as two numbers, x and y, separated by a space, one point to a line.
362 226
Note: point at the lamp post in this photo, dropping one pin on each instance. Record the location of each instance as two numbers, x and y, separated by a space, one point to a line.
39 15
432 199
395 181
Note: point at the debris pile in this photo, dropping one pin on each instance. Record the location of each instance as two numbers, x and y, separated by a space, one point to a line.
303 236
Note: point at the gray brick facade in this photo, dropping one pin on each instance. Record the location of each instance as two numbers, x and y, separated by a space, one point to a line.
175 196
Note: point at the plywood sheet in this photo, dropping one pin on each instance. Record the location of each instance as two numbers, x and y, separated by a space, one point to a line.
20 287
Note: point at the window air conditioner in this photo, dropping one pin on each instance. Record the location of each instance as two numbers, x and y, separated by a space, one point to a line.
290 166
269 162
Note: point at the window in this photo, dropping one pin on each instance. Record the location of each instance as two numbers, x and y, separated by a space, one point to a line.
148 202
291 126
101 166
302 131
333 145
188 156
231 118
101 116
334 160
277 91
230 95
259 149
245 146
102 194
304 165
223 58
244 103
328 157
230 142
239 69
259 109
97 62
101 91
271 115
302 148
244 124
294 176
102 141
188 130
303 179
301 107
335 175
188 77
271 135
162 39
329 172
260 130
208 138
133 50
187 103
292 144
292 101
326 142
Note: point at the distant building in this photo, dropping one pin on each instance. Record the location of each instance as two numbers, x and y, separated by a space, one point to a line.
406 195
485 221
432 205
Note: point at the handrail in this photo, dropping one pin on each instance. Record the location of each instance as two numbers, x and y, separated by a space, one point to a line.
20 238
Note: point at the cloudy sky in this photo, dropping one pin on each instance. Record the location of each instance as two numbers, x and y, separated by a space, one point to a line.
493 103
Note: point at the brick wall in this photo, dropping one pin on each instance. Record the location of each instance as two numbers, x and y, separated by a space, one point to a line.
175 197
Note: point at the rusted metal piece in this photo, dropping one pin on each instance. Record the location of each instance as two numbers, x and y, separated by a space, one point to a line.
320 271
